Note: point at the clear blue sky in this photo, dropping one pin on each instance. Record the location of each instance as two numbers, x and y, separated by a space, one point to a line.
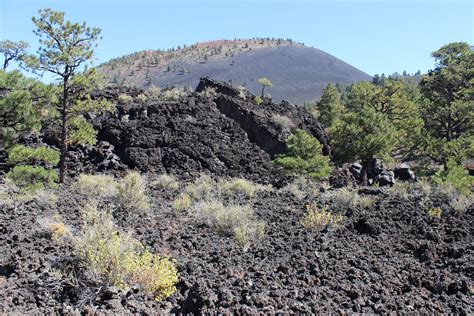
373 35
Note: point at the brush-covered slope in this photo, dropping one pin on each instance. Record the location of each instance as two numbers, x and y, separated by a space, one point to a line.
299 73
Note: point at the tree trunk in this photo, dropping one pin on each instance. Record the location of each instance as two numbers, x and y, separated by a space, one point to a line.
263 90
64 132
363 172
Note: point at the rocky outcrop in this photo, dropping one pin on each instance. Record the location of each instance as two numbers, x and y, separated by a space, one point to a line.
183 137
223 134
258 121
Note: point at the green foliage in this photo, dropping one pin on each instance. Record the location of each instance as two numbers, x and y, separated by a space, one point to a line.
120 260
455 174
398 102
265 82
24 154
258 100
81 131
64 46
32 178
363 135
24 107
449 107
65 50
12 51
304 156
330 106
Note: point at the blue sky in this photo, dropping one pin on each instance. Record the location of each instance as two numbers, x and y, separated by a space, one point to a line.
376 36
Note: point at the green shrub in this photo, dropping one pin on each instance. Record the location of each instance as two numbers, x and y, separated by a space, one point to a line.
258 100
33 178
131 193
304 156
121 260
456 175
320 219
24 154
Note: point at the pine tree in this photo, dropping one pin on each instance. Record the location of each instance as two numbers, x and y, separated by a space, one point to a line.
449 111
265 82
330 106
24 106
363 134
12 51
65 49
304 156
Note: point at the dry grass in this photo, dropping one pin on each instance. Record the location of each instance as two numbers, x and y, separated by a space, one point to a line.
320 219
166 182
131 193
96 186
456 200
182 203
435 212
345 197
124 98
203 188
301 187
55 226
284 123
121 260
236 220
239 186
460 202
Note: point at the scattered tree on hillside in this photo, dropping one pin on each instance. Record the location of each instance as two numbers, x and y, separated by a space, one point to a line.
65 49
12 51
265 82
379 80
449 111
304 156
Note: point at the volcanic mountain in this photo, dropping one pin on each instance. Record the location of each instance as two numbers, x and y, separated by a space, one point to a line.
299 73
